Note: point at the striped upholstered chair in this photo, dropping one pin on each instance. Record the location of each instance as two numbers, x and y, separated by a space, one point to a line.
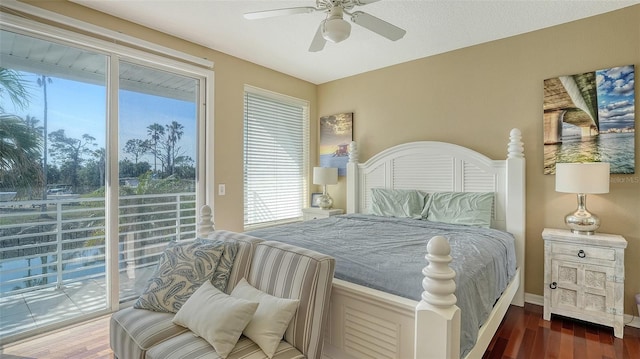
283 271
134 331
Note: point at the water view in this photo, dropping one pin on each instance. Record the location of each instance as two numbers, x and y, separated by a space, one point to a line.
617 148
339 162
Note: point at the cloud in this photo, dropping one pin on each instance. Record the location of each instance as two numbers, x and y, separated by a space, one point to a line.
617 80
618 72
622 111
623 87
620 104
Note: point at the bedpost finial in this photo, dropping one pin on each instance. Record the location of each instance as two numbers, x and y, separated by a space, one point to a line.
353 152
438 282
205 211
205 225
439 246
516 147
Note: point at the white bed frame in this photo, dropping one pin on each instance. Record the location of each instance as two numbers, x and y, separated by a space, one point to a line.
367 323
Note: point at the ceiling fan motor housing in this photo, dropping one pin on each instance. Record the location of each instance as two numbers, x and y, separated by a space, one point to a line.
335 28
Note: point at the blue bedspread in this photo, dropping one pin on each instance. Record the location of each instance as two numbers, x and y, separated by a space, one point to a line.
388 254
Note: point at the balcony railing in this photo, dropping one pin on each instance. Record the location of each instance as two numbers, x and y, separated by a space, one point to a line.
51 243
53 255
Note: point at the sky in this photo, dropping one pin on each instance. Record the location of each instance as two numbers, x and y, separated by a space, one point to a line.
616 102
80 108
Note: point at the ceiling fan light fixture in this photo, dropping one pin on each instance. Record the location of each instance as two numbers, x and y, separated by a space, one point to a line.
336 29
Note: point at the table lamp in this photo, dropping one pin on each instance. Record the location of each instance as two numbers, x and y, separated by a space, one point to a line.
582 179
325 176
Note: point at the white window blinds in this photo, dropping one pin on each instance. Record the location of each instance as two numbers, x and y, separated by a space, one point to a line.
275 157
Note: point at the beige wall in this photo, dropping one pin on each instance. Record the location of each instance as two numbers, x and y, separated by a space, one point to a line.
474 96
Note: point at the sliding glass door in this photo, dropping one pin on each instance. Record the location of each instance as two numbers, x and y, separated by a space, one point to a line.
53 101
157 137
80 127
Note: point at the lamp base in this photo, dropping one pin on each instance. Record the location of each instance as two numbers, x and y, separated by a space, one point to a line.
582 222
325 201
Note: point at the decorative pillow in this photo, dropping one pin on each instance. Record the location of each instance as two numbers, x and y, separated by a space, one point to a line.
221 275
404 203
181 269
469 208
270 320
216 317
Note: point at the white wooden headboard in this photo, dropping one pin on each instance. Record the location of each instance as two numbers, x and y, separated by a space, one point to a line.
445 167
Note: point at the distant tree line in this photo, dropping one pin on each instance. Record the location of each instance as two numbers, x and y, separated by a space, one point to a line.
32 158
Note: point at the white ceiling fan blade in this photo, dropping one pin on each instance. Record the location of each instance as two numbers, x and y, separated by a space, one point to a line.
365 2
377 25
279 12
318 42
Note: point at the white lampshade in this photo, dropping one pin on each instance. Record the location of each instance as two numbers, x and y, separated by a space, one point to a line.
325 175
592 177
336 29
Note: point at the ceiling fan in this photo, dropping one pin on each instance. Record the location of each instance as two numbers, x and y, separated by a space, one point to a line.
334 28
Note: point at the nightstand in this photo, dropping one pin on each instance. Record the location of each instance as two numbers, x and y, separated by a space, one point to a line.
317 213
584 277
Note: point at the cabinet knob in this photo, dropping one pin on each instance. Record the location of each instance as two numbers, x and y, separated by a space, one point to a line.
553 285
581 254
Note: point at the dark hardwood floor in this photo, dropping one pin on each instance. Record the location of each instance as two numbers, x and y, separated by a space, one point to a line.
522 334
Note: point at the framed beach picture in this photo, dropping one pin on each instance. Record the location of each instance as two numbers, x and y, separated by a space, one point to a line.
314 199
336 133
590 117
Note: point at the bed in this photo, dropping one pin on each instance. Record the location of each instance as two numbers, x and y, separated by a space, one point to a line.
371 321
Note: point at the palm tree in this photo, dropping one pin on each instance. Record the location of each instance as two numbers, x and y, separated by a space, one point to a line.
17 142
175 131
155 131
42 82
32 122
19 150
13 85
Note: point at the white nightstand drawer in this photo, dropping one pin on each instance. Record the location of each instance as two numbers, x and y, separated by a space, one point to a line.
318 213
584 251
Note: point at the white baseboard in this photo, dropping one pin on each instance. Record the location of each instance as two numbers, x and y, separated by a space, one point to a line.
629 320
633 321
534 299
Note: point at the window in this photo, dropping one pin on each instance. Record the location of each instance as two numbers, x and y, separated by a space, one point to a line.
276 141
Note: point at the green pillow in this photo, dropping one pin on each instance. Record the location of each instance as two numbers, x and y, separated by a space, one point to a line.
468 208
403 203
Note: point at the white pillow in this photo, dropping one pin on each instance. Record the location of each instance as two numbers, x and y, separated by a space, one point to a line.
216 317
271 319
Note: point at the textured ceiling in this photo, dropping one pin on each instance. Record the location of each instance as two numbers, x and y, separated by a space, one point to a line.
281 43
